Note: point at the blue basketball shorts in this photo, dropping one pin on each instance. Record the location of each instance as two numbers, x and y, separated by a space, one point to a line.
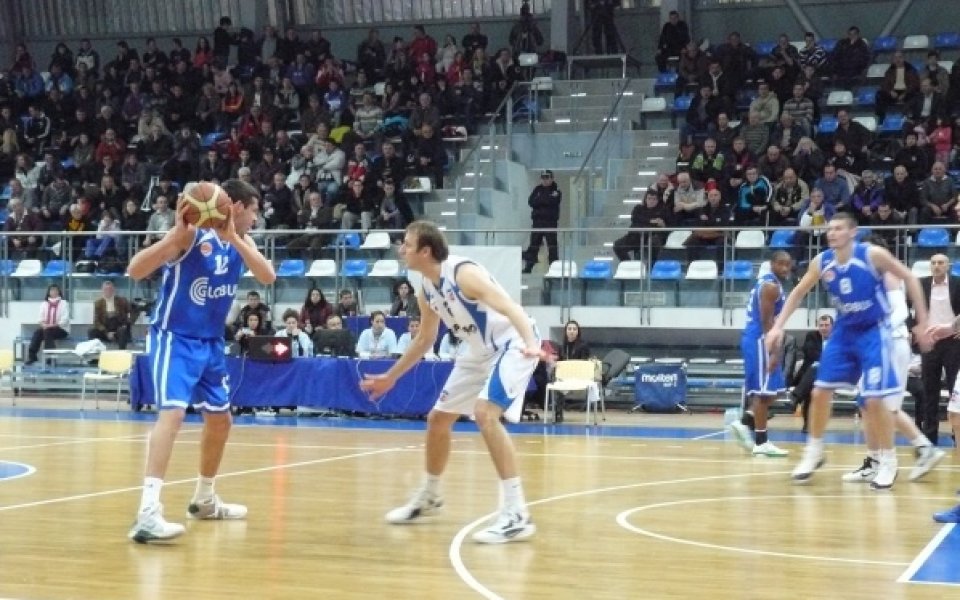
188 371
852 353
757 381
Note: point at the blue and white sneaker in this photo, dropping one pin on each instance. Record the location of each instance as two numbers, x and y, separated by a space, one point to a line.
509 527
150 526
948 516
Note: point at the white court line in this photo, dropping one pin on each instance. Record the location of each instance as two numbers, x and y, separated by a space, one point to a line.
709 435
124 438
304 463
925 554
622 520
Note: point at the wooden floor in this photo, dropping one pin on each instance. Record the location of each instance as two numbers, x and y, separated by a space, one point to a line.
618 518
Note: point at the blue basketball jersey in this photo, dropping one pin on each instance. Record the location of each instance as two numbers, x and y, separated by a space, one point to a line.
754 321
856 288
198 289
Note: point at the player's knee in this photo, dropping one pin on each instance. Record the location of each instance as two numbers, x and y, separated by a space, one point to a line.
487 414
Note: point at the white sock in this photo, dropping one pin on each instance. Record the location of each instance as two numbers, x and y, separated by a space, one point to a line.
874 454
432 483
888 456
920 441
512 492
150 496
204 488
815 444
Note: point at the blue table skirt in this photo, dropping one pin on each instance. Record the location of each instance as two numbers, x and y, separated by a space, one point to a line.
321 382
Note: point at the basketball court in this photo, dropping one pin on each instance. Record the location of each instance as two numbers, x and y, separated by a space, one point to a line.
655 507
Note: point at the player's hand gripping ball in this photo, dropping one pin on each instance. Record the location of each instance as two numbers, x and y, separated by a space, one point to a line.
207 204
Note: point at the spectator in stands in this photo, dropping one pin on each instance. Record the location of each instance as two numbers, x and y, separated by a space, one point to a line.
38 129
250 326
368 119
107 236
938 195
801 109
525 36
404 300
112 317
725 133
350 205
815 213
899 86
701 115
938 76
212 168
279 210
56 198
347 304
395 211
721 84
773 164
737 58
674 37
766 104
473 41
927 105
378 341
756 134
707 165
753 199
867 197
254 306
850 57
133 174
714 214
941 138
788 196
78 222
805 376
835 189
313 217
430 157
651 213
132 218
736 162
315 311
413 330
693 67
301 344
110 145
686 200
662 187
371 55
846 163
786 134
544 202
885 216
88 56
812 54
330 163
160 221
502 75
24 222
854 135
914 158
54 324
902 195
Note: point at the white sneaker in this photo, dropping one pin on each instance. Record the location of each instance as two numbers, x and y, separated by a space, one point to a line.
811 460
743 435
423 504
150 526
215 509
865 473
927 459
886 475
509 527
769 450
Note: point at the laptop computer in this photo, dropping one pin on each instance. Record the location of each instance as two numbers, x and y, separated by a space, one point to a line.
334 342
270 348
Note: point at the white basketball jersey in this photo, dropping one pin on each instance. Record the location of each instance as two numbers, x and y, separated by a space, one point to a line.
481 328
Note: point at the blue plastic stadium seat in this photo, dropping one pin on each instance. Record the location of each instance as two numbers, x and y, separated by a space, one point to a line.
356 267
933 237
892 124
955 175
738 270
68 163
666 270
666 80
866 96
210 139
885 43
828 44
55 268
5 192
291 267
947 41
597 269
782 238
955 269
863 233
682 103
7 267
764 48
828 125
347 240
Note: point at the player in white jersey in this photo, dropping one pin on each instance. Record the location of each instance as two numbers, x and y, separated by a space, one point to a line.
928 455
201 269
499 350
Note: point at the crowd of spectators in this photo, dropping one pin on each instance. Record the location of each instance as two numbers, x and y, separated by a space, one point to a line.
328 137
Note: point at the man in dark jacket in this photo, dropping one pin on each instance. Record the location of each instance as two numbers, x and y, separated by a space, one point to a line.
545 202
673 37
805 376
651 213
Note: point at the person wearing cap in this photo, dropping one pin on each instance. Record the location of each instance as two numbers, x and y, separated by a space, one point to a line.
545 202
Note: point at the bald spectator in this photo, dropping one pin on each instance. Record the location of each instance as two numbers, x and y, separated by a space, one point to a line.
938 195
899 86
23 222
773 164
687 201
766 104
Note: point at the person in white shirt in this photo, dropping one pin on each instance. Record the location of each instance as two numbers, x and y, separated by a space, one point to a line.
413 329
378 341
302 346
449 347
54 324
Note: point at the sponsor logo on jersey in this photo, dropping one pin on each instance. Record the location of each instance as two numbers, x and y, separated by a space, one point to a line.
201 291
829 276
206 248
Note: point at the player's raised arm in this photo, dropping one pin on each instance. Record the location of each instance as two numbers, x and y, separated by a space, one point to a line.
886 263
378 385
174 243
477 286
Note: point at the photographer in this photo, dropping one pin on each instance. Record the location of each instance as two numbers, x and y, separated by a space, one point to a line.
601 21
525 37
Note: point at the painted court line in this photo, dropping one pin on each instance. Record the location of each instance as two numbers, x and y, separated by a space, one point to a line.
709 435
925 555
74 442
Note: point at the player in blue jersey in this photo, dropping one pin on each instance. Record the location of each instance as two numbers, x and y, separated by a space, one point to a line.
861 342
761 384
499 350
201 269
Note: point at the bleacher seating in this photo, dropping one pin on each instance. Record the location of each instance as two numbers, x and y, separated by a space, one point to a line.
884 44
354 268
324 267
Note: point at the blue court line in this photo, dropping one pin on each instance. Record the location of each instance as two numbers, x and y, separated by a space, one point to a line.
939 562
525 428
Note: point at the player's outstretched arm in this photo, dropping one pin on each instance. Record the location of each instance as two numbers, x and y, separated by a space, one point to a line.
476 286
774 337
168 249
378 385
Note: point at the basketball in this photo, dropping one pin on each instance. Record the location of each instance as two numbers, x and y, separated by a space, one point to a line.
208 204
